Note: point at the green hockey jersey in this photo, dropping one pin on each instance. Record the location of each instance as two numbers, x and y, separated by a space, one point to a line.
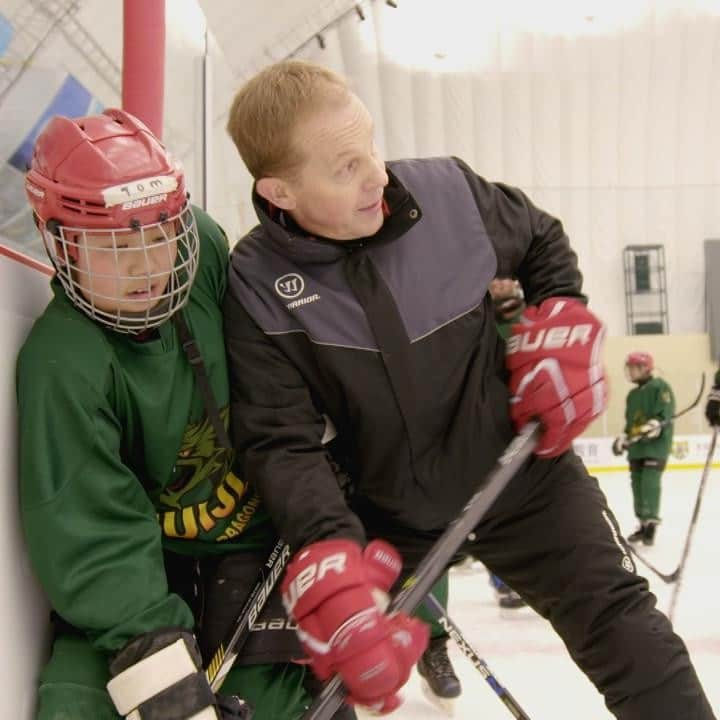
652 399
118 460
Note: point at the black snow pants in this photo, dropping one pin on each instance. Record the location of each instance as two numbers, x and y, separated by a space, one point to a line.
551 537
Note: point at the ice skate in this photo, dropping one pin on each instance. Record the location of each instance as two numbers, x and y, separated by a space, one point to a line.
638 535
649 528
507 597
439 684
510 600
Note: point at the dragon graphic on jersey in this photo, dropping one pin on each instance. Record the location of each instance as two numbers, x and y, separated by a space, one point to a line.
206 499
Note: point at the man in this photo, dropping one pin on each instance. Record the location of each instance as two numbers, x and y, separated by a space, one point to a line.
362 296
140 532
647 437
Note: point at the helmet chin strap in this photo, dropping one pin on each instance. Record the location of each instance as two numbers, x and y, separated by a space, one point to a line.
163 308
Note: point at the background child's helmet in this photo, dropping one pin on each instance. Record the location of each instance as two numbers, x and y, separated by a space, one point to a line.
109 173
641 358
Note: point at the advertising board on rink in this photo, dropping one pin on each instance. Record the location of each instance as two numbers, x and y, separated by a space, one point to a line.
688 452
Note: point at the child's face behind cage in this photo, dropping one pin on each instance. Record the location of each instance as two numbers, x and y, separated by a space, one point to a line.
122 271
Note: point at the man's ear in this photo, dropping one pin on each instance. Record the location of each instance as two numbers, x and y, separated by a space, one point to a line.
277 192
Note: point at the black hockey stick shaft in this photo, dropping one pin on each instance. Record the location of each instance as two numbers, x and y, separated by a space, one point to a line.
224 657
433 565
453 631
675 575
693 523
637 438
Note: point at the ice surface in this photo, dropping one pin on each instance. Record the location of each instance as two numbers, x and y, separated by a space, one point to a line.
528 658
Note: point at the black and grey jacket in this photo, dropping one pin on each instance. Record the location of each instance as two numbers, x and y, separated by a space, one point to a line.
393 338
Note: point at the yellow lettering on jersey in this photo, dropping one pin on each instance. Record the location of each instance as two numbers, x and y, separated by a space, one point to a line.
242 520
206 522
236 483
227 503
188 521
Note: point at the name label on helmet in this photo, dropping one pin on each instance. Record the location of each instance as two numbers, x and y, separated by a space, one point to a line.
36 191
135 190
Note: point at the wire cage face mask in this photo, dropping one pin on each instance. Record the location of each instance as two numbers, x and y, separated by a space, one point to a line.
127 279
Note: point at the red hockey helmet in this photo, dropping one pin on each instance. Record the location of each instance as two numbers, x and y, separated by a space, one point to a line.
638 366
108 176
642 359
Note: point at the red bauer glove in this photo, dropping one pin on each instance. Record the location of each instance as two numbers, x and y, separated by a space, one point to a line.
554 355
329 589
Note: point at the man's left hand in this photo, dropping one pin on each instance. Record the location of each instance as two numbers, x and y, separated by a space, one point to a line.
554 355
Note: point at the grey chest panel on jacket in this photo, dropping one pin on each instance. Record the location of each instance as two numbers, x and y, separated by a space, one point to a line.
437 271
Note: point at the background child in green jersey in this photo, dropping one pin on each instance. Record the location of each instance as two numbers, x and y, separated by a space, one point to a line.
647 438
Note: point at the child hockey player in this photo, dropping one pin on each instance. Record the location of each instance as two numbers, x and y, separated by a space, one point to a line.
126 473
647 437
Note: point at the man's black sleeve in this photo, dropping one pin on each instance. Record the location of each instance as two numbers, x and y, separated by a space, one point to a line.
277 433
530 244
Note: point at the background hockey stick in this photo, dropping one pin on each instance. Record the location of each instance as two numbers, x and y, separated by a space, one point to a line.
224 657
665 577
433 565
637 438
676 574
693 522
453 631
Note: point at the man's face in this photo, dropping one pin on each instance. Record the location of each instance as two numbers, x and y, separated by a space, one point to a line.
125 271
338 190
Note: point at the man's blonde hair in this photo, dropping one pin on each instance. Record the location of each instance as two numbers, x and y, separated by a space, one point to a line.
266 110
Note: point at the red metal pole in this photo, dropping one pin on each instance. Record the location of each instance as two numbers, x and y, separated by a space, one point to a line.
143 76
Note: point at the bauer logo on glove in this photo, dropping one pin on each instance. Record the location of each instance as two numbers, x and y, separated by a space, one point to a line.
554 356
340 625
550 339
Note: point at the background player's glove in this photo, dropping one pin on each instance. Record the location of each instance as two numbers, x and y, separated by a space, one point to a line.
650 430
554 355
330 589
712 407
159 675
620 444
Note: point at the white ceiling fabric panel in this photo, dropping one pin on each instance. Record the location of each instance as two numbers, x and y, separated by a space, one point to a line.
458 116
428 104
360 60
601 111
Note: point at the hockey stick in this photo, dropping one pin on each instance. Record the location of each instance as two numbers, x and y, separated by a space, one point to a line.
454 632
433 565
665 577
224 657
693 522
664 423
675 576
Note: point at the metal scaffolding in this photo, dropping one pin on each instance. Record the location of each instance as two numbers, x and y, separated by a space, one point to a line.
646 308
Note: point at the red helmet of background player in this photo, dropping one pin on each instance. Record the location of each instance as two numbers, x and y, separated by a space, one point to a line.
642 360
639 357
108 173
